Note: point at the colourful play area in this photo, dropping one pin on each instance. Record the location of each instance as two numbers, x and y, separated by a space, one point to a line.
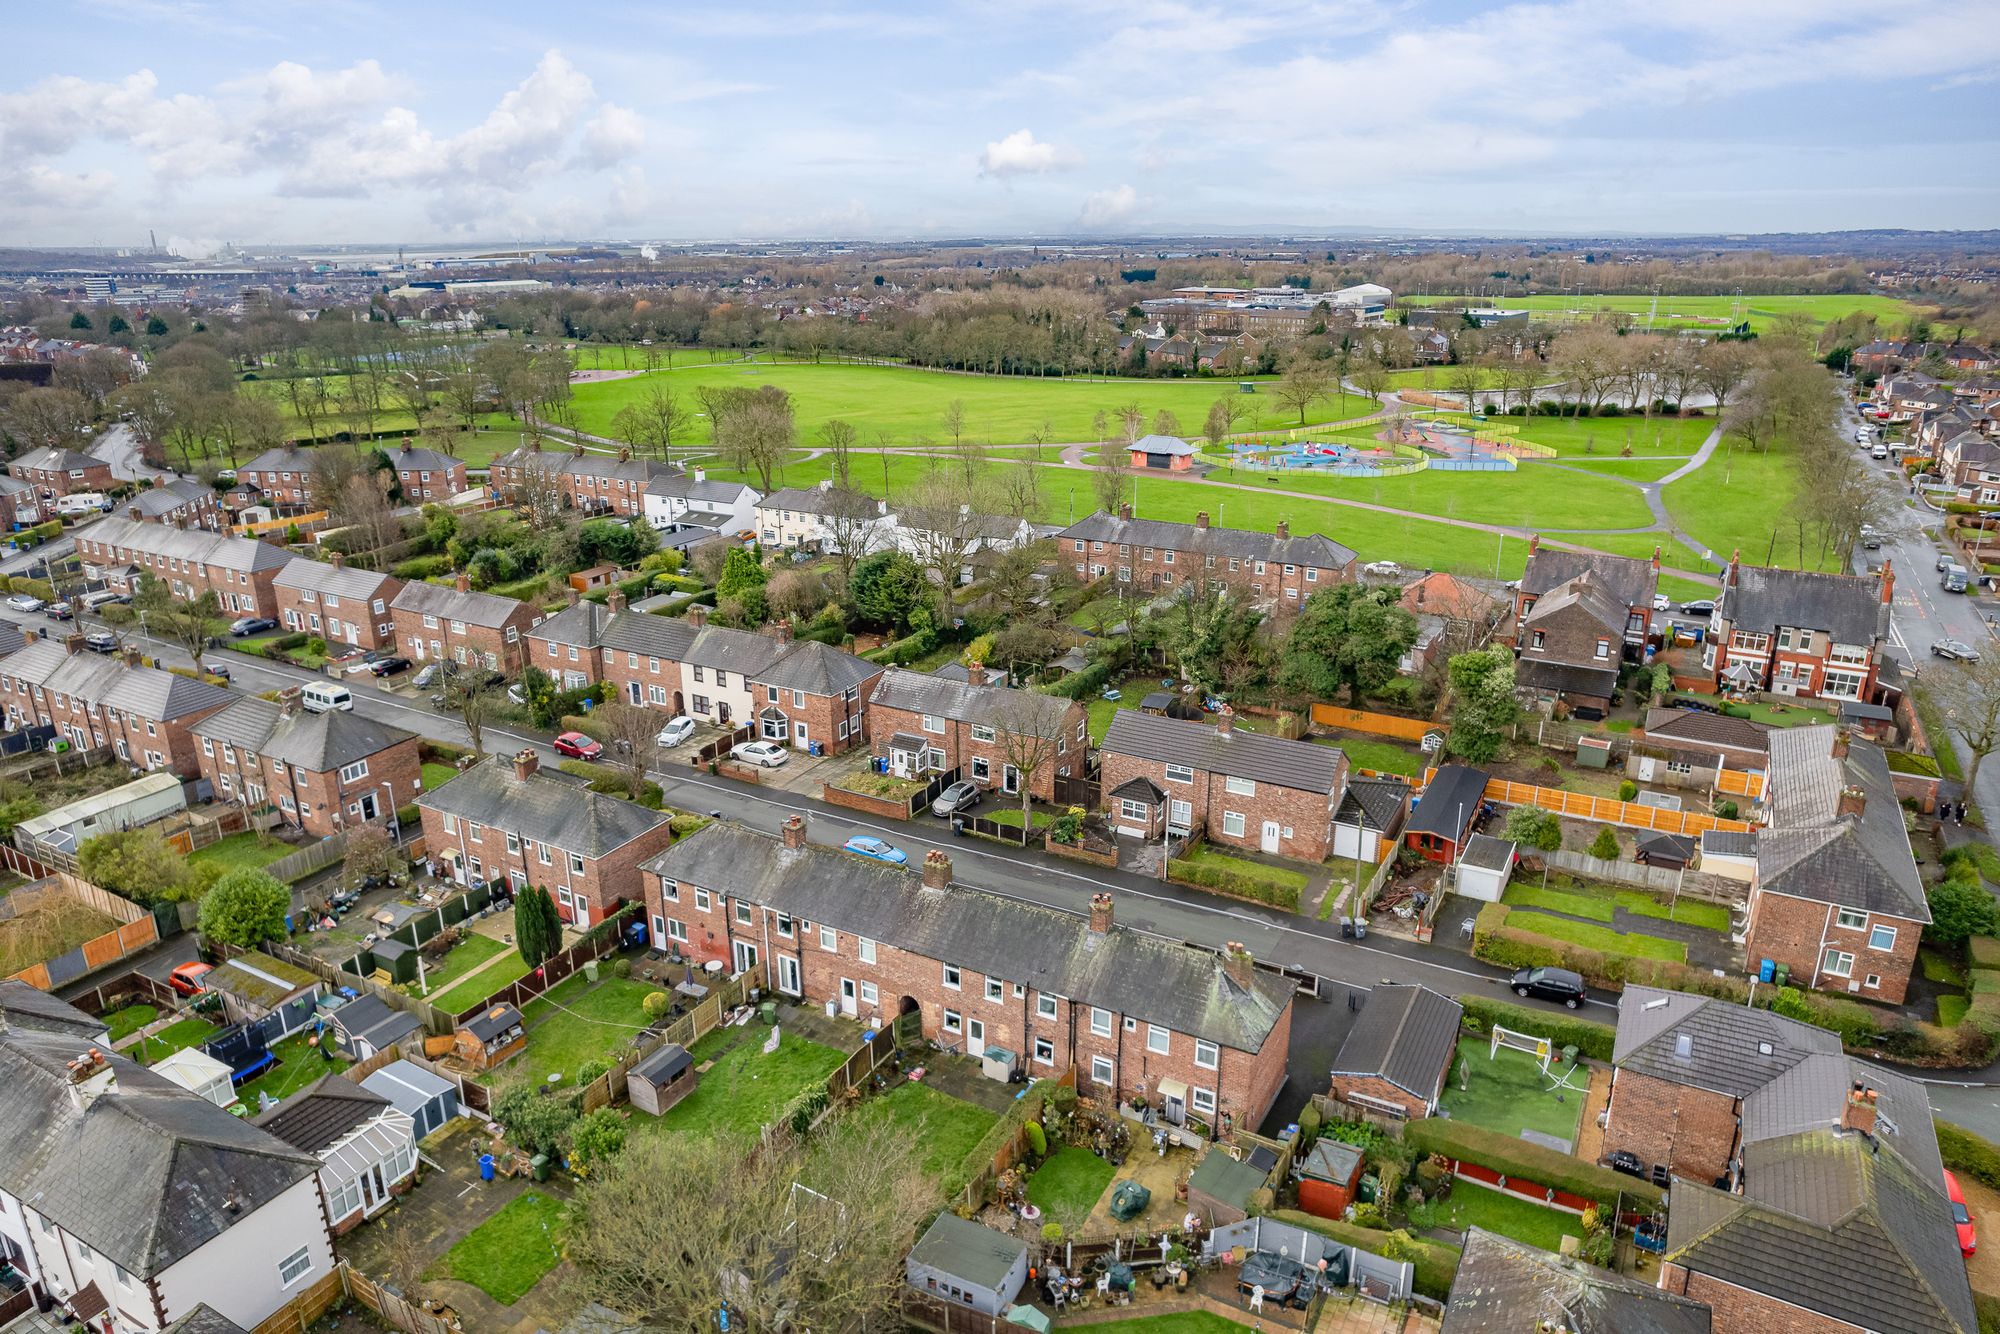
1417 444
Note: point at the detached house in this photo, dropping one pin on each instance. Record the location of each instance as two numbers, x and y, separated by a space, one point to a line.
336 603
1577 617
1794 632
62 472
325 771
990 734
1193 1033
1271 569
1837 900
1238 788
437 624
503 820
143 714
240 571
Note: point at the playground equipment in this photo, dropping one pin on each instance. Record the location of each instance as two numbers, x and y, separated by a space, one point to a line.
1543 1050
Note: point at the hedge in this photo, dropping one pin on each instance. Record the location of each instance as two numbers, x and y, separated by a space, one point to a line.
587 724
1514 1157
611 783
1966 1152
40 588
421 567
441 752
1084 684
1512 947
1236 885
1434 1262
1592 1040
1983 951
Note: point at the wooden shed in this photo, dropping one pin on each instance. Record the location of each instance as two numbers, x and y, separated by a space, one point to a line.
661 1080
490 1037
1221 1187
1328 1177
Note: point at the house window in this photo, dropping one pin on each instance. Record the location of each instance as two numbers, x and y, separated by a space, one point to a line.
742 913
575 864
829 940
1232 823
1102 1071
981 733
1838 963
354 772
982 768
1882 938
869 995
1045 1051
1157 1039
952 1023
1242 787
933 724
951 976
1851 919
1874 981
1100 1022
1129 809
677 930
1045 1005
1603 649
294 1267
784 926
867 951
702 900
1205 1054
1202 1100
1179 773
995 989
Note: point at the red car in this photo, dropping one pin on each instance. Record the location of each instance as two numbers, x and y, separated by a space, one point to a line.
187 979
578 746
1968 1235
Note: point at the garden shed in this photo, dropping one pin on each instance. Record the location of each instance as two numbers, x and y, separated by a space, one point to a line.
370 1024
1485 868
967 1264
1669 852
199 1073
661 1080
395 962
1221 1187
1329 1176
1447 812
429 1100
279 998
490 1037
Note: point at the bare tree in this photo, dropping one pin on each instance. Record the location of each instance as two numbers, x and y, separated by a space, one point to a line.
1305 383
1030 729
539 492
1587 357
855 529
633 732
838 437
1720 368
1373 377
754 428
941 527
48 418
1020 489
1967 695
954 421
655 421
188 623
472 701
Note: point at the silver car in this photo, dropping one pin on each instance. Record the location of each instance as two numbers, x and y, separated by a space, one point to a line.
956 799
763 754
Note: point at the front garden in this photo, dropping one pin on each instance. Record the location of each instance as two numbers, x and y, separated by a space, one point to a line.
1239 877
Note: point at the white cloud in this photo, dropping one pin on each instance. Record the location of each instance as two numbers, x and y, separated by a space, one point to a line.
1021 154
1106 208
613 134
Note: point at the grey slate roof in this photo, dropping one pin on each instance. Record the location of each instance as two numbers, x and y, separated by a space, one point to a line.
1630 581
1828 1224
543 808
1587 593
1487 853
1312 549
486 609
1565 678
318 1115
1450 802
314 742
11 639
1028 712
1177 986
167 497
1679 847
204 1319
1162 444
375 1021
1265 759
1812 1095
1373 803
741 652
25 1007
1726 1041
967 1250
1696 729
686 487
656 636
1847 606
493 1022
1810 852
1730 842
822 500
107 682
1405 1034
144 1174
415 458
816 668
321 577
217 550
56 460
286 458
1505 1286
581 625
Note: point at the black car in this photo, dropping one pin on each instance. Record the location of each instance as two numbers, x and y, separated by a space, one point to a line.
1626 1161
251 625
389 666
1556 984
58 611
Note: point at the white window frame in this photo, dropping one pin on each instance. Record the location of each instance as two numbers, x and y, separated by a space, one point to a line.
1047 1006
1045 1051
1837 963
1159 1041
1201 1100
1241 787
1100 1022
951 975
1179 773
301 1257
1850 919
1878 930
1103 1070
1233 823
866 950
1207 1055
829 940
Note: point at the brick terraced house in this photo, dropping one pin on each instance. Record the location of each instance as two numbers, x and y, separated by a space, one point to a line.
1837 898
323 771
990 734
178 503
62 472
240 571
588 482
825 518
438 624
1794 632
1272 569
1231 787
505 820
20 504
426 476
1577 617
1196 1034
144 714
280 478
340 604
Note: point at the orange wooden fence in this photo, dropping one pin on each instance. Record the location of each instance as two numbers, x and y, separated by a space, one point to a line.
1379 724
1740 783
1605 810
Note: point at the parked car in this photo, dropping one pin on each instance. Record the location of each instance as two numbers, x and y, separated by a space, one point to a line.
675 732
1699 607
388 666
1945 562
763 754
428 676
1954 648
517 693
1968 1234
861 845
956 799
1556 984
251 625
187 979
578 746
1879 453
25 602
58 611
101 641
1661 602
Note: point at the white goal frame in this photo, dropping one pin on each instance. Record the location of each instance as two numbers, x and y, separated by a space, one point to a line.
1541 1048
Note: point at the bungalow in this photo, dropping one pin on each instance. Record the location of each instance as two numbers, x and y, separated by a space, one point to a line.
1692 747
367 1148
1397 1055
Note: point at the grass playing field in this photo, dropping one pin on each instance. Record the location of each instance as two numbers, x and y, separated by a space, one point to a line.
1737 501
1716 311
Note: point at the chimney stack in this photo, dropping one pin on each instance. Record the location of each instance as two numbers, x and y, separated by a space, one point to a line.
576 450
1841 738
1237 962
463 583
90 1077
975 672
337 559
1225 722
1859 1113
132 657
697 615
1656 558
1100 913
782 631
73 643
1888 583
1852 802
1284 529
937 870
288 701
1534 543
1201 520
795 832
1124 511
624 453
615 603
30 635
571 596
406 445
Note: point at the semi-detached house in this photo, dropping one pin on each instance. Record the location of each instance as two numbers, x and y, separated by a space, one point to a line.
825 518
425 476
336 603
240 571
1796 632
280 478
62 472
503 820
1272 569
143 714
588 482
438 624
1193 1033
323 771
177 503
990 734
1226 785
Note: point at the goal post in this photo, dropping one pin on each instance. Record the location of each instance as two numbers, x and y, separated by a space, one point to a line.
1541 1048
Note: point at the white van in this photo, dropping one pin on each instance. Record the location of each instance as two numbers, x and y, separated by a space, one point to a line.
324 697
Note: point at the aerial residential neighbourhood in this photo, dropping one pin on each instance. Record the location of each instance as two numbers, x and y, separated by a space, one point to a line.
841 670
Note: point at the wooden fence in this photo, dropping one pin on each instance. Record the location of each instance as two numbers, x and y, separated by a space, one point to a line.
704 1018
136 929
1376 724
1625 873
312 857
1740 783
304 1310
1605 810
557 967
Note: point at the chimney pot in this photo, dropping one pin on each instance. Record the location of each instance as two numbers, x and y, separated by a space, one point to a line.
625 453
1534 543
526 764
937 870
463 583
1124 511
1841 738
1239 964
337 559
701 474
289 700
697 615
782 631
73 643
1100 913
615 603
1284 529
1225 722
795 832
132 658
975 672
1853 801
1201 519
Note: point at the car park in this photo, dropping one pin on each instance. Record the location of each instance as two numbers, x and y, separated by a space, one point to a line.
956 799
25 602
675 732
763 754
388 666
1552 984
251 625
861 845
1956 649
190 978
1961 1217
578 746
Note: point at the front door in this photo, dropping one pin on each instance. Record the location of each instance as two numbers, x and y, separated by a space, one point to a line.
1173 1110
638 697
745 956
799 740
369 807
721 713
848 1006
1645 768
1010 779
975 1038
1272 829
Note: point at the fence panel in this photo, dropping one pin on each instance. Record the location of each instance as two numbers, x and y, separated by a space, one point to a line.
1625 873
1006 833
311 857
1740 783
1377 724
1605 810
1073 791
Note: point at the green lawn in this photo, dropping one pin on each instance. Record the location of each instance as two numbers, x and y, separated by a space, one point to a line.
1737 501
1470 1204
300 1062
939 1130
1070 1181
1632 469
1951 1009
1596 902
1011 817
1712 311
1600 937
476 989
1940 967
437 775
1506 1091
576 1021
506 1256
1373 753
466 955
1689 912
1784 715
189 1032
1444 379
746 1089
1205 855
123 1022
249 850
1180 1322
1555 900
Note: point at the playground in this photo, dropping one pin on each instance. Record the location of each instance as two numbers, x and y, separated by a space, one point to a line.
1433 442
1341 458
1459 444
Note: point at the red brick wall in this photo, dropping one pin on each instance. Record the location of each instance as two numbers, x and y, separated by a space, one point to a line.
1740 1311
1272 584
1692 1130
1378 1090
58 481
824 715
487 643
1790 931
443 483
295 613
961 749
556 661
293 494
1309 815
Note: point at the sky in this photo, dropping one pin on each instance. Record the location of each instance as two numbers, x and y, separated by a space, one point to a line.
290 122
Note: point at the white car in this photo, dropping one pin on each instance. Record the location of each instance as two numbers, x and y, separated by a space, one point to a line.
25 602
763 754
1661 602
675 732
1879 452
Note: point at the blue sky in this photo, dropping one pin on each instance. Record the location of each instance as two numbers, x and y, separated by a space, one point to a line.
352 120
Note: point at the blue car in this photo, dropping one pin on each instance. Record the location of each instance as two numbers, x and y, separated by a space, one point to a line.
863 846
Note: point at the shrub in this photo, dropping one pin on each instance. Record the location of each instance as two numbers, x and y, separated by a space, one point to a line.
1533 827
588 725
1966 1152
1052 1233
622 968
1435 1263
656 1004
421 567
1725 810
1627 790
1960 908
1605 846
1237 884
1591 1040
1530 1162
1038 1139
1083 685
1855 1023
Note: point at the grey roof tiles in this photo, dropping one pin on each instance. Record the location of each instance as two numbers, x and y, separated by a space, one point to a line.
1237 754
1405 1034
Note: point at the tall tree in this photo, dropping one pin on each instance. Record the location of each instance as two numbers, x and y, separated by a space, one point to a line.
1346 636
655 421
531 935
1483 703
1967 694
633 731
188 623
1305 382
246 908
